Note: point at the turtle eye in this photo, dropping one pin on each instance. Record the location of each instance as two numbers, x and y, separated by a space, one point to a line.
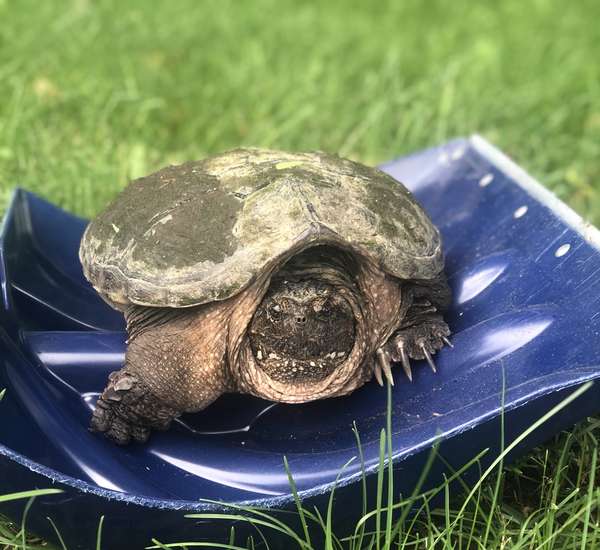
274 311
320 304
323 309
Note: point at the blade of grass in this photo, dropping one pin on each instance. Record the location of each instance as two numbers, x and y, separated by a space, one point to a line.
390 488
590 496
158 545
99 534
502 445
380 471
57 532
28 494
363 486
24 521
297 501
447 511
329 527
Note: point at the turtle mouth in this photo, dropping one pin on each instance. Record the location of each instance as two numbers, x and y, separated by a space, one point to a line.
292 370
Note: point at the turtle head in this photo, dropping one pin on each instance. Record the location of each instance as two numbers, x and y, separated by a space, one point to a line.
304 331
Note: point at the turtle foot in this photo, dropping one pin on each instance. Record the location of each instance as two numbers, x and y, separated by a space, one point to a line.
419 341
127 411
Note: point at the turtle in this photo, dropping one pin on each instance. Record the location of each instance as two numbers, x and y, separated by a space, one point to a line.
291 276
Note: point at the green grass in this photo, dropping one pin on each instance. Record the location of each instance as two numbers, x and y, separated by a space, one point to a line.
95 93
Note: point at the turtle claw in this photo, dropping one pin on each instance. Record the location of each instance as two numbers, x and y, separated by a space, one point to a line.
405 361
383 360
377 372
447 342
428 357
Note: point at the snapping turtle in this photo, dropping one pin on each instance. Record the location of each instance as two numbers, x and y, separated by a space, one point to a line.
289 276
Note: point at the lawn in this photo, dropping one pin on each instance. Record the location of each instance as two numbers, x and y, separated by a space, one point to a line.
93 94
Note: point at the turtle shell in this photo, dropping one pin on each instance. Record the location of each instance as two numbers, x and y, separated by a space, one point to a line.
201 231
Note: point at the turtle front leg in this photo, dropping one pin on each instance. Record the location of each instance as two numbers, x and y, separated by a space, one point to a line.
127 410
175 363
422 333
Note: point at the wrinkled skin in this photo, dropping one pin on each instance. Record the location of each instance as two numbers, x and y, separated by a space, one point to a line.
321 326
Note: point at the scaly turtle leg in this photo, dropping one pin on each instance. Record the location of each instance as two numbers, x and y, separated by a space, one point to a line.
174 364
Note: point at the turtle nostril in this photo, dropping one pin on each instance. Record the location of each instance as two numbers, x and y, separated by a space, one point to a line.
300 320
